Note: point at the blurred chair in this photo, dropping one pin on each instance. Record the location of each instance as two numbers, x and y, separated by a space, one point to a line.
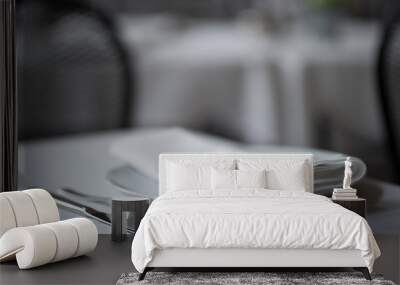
74 73
388 73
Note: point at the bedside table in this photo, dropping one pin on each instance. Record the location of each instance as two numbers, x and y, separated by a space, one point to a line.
358 205
136 205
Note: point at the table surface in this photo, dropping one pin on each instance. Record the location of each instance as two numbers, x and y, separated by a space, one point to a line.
103 266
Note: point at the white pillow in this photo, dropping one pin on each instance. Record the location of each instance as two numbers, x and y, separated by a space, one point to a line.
251 178
282 174
189 174
237 179
223 179
181 177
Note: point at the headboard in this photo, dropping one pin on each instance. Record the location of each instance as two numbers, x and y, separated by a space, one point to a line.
210 157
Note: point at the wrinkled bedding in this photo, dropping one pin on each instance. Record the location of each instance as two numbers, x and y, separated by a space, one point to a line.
250 218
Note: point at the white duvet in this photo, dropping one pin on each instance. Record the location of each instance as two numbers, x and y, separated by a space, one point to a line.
250 218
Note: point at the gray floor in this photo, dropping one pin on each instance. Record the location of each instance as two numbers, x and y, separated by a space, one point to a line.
111 259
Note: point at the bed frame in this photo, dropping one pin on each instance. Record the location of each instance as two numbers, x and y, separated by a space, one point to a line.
237 259
256 260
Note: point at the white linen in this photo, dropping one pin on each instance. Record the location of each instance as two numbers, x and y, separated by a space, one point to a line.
250 219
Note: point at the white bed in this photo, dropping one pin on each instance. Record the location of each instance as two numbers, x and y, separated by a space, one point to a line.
250 227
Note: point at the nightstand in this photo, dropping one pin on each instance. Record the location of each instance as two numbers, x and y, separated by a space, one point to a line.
358 205
136 205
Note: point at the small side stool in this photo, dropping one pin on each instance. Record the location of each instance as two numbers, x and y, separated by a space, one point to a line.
137 206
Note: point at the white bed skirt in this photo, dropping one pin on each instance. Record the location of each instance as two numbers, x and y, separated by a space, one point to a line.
235 257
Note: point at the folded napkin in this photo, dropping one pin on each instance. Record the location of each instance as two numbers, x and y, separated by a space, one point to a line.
142 148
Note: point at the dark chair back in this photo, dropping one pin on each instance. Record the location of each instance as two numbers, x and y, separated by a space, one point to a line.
388 72
74 74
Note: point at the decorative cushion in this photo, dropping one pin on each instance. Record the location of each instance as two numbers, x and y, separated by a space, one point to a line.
188 177
185 174
40 244
278 171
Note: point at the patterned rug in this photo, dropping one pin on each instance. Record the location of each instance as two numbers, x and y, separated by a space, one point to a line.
273 278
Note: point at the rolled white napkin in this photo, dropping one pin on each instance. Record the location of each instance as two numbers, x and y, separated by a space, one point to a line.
23 208
40 244
67 239
87 234
45 206
7 219
31 246
26 208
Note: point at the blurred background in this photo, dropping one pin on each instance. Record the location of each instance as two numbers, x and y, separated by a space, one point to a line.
105 86
282 72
